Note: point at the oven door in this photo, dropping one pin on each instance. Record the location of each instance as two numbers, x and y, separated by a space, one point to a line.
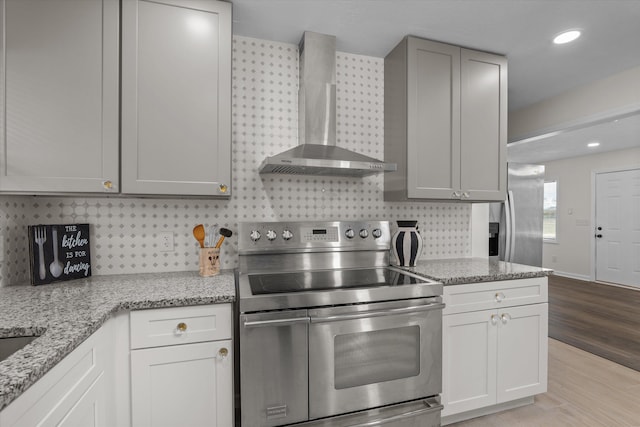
368 355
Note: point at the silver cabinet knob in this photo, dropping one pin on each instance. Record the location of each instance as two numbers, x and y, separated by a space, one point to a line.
376 233
271 235
494 319
350 233
465 195
456 195
499 296
505 318
255 235
287 234
364 233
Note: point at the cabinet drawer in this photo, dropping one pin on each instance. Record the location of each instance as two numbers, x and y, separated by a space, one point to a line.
180 325
492 295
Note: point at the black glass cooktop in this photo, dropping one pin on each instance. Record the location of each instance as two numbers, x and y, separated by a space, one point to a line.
322 280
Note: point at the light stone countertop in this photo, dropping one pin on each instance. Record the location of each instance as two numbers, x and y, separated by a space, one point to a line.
457 271
65 314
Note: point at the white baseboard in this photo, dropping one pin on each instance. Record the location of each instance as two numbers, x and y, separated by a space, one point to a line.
455 418
572 275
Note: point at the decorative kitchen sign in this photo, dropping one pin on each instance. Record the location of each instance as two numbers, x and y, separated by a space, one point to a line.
59 252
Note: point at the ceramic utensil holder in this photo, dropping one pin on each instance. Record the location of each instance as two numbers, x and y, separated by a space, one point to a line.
209 262
406 244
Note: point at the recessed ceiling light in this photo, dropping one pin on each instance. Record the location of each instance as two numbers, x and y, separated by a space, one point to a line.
593 144
566 36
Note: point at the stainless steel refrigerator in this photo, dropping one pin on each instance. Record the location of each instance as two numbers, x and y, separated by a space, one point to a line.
519 234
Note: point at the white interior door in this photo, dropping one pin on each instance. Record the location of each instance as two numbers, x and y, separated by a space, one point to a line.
617 231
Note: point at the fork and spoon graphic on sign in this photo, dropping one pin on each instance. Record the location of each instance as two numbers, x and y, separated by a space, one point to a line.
40 237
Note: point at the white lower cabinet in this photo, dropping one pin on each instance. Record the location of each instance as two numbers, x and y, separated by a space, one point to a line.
177 384
494 356
469 348
76 392
159 367
187 385
91 409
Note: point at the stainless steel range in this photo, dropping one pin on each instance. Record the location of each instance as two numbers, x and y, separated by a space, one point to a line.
329 334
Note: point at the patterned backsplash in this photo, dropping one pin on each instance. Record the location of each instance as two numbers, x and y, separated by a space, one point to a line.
124 230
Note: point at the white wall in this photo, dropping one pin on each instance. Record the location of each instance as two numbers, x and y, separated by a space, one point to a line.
479 230
571 255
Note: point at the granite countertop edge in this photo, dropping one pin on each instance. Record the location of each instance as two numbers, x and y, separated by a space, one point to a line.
63 315
458 271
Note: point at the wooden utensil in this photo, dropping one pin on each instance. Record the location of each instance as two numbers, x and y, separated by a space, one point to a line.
225 232
199 233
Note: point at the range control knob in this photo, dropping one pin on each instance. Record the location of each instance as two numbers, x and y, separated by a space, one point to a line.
287 234
376 233
364 233
255 235
271 235
350 233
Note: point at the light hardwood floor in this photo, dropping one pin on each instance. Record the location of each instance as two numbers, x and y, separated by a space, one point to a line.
584 390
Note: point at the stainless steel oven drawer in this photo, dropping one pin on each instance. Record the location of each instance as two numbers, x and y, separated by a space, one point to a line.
419 413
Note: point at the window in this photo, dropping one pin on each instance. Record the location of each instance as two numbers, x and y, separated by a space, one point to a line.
549 222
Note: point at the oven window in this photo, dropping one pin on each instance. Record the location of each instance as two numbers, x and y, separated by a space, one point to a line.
372 357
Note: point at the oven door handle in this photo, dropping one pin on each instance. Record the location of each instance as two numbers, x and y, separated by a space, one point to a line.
380 313
275 322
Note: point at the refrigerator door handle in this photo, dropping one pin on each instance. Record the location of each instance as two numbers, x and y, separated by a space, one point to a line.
512 228
507 237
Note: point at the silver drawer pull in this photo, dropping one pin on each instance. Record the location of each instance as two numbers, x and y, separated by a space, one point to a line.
499 296
388 312
275 322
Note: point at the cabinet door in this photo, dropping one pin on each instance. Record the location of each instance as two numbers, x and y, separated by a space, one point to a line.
176 97
77 391
182 385
433 119
522 351
483 120
469 361
59 96
90 410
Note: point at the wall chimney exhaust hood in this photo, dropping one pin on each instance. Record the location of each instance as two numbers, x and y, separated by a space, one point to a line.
317 153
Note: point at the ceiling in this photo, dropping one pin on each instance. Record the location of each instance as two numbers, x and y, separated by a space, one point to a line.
520 29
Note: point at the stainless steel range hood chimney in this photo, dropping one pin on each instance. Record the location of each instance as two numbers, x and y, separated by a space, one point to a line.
317 153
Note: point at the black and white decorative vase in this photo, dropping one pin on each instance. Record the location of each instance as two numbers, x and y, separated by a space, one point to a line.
406 244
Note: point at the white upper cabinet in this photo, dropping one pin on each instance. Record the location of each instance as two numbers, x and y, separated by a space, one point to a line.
445 122
59 96
483 126
176 97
